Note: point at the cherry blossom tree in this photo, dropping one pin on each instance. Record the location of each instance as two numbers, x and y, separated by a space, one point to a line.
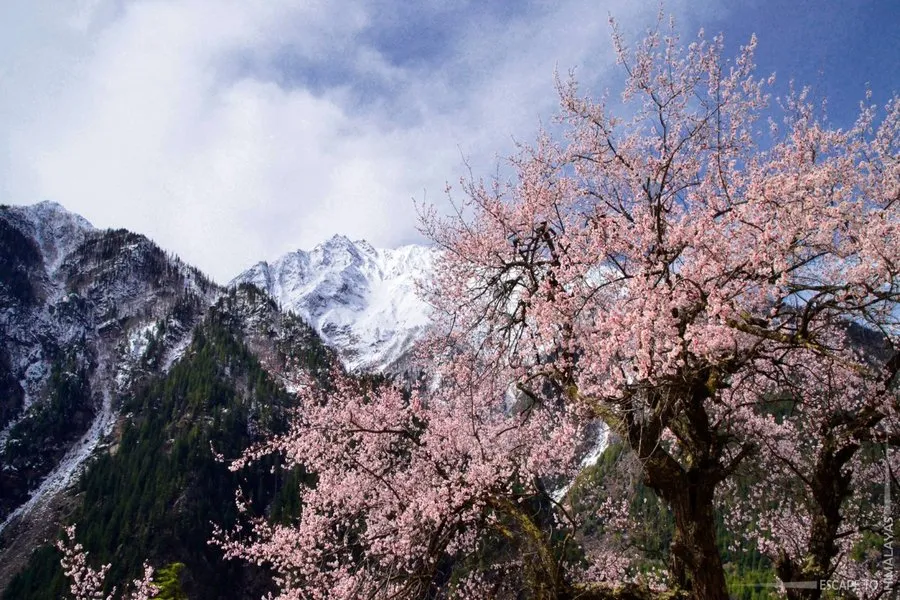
821 470
722 297
677 279
406 484
87 583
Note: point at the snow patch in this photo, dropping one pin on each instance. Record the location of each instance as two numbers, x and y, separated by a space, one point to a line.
70 466
601 443
176 352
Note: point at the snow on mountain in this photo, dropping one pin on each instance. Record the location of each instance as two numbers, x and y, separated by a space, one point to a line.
35 240
56 230
363 301
84 303
108 308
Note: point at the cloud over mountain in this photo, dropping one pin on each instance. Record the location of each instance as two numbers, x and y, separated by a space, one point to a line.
201 122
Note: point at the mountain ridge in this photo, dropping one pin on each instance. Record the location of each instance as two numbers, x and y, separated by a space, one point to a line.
88 317
78 301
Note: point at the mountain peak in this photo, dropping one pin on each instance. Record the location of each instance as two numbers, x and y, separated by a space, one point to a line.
338 238
57 213
56 230
340 241
362 301
50 204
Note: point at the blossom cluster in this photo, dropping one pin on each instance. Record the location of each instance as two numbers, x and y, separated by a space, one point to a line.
87 583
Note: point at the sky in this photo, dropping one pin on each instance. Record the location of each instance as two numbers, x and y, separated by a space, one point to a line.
232 131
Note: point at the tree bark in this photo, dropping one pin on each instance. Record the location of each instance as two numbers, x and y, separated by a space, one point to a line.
687 487
694 551
695 563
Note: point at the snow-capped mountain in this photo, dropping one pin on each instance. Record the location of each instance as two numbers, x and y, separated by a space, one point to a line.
85 313
78 306
363 301
34 241
55 230
90 317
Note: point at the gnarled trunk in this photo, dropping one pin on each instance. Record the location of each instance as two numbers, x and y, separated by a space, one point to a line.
695 558
688 487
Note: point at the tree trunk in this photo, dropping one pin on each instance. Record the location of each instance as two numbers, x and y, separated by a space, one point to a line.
694 551
830 487
687 487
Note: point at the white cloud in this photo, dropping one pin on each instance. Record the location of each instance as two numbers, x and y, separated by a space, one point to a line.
232 131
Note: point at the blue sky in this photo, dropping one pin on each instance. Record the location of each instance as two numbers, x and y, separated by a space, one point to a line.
835 47
233 131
